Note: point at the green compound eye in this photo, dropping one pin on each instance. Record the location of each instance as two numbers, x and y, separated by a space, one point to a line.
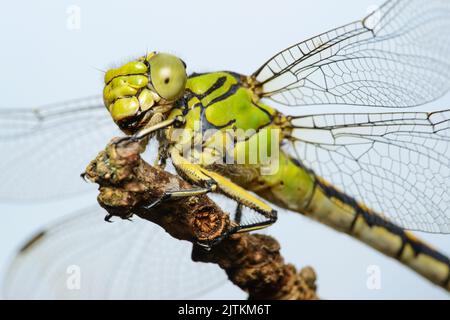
168 75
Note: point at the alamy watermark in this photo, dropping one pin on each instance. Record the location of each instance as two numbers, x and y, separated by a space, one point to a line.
73 19
259 148
73 280
374 277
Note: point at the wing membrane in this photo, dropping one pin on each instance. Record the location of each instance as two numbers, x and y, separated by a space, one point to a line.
396 163
43 151
120 260
395 57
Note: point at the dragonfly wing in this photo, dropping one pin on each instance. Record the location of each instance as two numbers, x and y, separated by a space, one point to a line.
396 163
44 151
395 57
84 257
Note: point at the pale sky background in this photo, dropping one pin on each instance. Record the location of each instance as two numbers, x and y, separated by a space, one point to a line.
43 61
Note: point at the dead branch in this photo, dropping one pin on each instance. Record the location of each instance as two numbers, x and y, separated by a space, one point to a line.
127 184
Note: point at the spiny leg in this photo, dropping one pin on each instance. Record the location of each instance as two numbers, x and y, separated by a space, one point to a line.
150 128
109 216
168 195
215 182
239 194
238 213
271 216
212 182
161 159
240 229
212 186
271 219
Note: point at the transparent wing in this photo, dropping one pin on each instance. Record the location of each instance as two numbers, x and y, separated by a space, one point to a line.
84 257
398 56
396 163
44 150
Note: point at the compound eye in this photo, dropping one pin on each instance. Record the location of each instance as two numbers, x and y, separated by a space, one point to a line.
168 74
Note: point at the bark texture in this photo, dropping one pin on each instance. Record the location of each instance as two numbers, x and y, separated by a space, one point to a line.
127 185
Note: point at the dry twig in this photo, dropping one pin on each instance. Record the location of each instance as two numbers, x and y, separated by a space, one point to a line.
253 262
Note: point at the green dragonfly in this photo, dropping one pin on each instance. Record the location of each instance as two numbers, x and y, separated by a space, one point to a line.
370 175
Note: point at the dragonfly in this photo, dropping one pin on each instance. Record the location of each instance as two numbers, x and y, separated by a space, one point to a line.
375 176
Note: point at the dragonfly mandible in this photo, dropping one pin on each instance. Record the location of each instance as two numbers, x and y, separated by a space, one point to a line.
371 175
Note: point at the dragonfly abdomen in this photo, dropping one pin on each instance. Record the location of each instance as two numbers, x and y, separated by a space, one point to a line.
296 188
340 211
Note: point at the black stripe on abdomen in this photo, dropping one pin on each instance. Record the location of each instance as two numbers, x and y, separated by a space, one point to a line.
374 219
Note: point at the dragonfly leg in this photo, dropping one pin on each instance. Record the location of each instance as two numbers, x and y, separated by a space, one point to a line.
238 218
178 194
150 128
271 219
161 159
109 216
238 213
240 229
216 182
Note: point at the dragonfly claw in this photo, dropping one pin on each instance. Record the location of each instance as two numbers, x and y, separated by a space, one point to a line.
158 201
108 218
209 244
205 245
83 176
128 139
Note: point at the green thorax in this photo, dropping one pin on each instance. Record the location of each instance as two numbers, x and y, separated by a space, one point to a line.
220 100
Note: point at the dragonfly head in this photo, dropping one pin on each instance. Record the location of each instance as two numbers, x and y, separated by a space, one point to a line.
140 88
